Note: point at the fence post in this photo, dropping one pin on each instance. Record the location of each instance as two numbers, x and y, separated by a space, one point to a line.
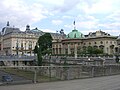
110 71
50 73
92 71
68 73
35 76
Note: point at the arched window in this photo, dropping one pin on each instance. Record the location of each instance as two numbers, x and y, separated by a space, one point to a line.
75 36
101 42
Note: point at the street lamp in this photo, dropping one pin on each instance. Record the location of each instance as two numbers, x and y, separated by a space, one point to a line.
17 48
25 42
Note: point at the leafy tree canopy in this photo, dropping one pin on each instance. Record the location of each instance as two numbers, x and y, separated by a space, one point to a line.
43 46
45 43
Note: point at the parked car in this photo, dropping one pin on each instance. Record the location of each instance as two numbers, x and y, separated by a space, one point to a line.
7 78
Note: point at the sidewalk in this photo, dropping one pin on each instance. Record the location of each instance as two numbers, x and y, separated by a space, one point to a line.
99 83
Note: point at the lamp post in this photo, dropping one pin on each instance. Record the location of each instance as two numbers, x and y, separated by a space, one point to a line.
25 42
17 46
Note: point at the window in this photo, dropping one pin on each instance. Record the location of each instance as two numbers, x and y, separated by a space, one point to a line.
30 44
114 42
21 45
56 46
106 42
101 42
111 42
59 46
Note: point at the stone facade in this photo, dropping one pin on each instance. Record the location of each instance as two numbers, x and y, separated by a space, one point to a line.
118 42
16 42
76 43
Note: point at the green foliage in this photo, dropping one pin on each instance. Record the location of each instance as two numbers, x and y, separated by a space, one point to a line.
90 51
39 55
45 42
43 47
36 49
98 51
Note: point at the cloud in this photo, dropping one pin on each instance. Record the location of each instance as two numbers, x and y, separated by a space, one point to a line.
89 14
67 17
87 25
99 6
68 26
19 13
84 22
48 30
114 16
87 17
114 25
67 6
56 22
52 2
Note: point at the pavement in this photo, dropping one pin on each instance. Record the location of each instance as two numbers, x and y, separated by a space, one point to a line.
98 83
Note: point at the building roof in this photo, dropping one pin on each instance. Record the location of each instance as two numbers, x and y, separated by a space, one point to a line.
8 29
97 34
75 34
36 30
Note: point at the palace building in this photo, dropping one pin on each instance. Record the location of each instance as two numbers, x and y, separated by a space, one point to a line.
13 41
75 43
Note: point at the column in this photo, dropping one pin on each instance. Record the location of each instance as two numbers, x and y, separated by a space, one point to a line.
75 51
69 49
63 49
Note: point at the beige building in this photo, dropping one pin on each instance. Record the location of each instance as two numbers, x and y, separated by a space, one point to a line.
75 42
118 42
16 42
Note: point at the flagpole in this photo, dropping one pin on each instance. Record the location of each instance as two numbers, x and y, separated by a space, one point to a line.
74 25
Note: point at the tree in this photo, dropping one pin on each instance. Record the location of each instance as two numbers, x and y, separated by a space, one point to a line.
98 51
45 42
36 49
90 50
43 46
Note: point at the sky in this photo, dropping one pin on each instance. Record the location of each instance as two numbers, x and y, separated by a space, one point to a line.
54 15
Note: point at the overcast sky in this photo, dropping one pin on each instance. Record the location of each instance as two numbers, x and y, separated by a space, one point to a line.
53 15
